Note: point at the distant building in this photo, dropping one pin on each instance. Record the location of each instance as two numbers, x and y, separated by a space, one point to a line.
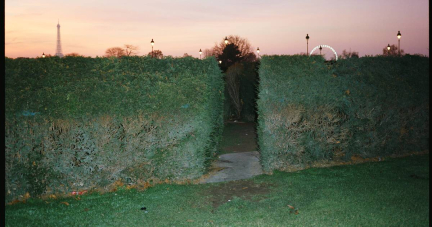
59 52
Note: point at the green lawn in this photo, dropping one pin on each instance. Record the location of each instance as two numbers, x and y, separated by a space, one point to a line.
394 192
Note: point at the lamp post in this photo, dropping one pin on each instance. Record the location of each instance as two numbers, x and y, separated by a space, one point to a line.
43 55
220 61
152 43
258 50
399 36
307 43
320 49
226 40
200 53
388 49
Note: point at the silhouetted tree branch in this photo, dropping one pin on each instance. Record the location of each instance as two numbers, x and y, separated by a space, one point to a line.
349 54
114 52
208 53
245 48
156 54
131 50
393 51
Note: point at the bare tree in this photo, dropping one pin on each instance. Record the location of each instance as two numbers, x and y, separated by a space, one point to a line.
393 51
156 54
232 80
130 50
208 53
114 52
186 55
73 55
245 48
349 54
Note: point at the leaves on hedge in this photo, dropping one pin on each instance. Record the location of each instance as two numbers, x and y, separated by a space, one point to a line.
361 106
100 120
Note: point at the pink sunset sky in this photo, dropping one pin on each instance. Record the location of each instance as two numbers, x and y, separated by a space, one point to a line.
89 27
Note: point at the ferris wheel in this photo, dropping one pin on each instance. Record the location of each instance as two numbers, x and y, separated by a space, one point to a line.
326 46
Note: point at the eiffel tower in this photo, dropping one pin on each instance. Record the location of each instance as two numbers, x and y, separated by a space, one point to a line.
59 49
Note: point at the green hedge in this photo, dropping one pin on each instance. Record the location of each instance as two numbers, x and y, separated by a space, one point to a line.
78 123
312 111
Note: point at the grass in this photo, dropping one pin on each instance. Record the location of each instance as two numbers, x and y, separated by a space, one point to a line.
394 192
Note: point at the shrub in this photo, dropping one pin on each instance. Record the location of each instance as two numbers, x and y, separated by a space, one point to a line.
81 123
370 107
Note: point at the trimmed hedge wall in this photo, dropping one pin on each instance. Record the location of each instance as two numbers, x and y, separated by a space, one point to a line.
310 111
79 123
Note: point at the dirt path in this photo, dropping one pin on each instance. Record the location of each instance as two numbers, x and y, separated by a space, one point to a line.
239 158
239 137
235 166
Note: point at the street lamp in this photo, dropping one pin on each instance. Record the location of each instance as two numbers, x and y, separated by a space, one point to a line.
220 61
399 36
307 43
226 40
152 43
200 53
388 49
258 51
320 49
43 54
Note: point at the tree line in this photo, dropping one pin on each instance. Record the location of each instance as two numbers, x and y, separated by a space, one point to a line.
130 50
238 49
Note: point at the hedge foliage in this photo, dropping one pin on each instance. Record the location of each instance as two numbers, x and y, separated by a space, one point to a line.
312 111
78 123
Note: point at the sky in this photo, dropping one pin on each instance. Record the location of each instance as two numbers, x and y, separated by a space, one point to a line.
277 27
